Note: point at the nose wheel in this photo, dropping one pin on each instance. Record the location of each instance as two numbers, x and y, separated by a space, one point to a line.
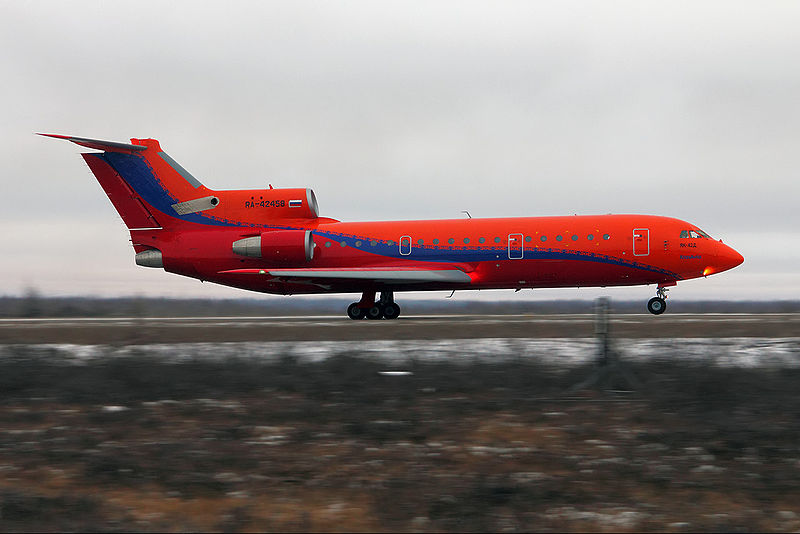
658 304
385 308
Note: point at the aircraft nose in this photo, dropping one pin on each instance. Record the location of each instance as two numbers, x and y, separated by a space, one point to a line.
734 258
725 258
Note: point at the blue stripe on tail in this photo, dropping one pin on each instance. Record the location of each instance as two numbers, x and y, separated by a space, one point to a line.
135 170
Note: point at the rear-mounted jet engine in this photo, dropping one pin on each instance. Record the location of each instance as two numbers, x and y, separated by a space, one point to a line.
283 246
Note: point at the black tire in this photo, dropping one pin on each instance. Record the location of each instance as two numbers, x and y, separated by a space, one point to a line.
391 311
375 313
354 312
657 305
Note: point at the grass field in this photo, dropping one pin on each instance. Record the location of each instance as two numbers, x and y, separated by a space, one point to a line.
137 442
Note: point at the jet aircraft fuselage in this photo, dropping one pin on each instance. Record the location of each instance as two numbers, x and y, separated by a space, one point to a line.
274 241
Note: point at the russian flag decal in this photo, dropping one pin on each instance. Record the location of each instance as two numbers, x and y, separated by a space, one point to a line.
295 203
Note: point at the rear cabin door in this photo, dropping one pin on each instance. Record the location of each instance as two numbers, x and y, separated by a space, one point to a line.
641 241
515 250
405 245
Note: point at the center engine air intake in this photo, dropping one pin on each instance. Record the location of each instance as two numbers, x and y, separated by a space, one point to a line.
284 246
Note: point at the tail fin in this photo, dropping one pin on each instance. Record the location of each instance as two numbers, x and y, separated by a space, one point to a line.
147 187
150 190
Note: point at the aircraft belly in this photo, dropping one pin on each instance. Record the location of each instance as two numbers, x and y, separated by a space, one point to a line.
562 273
504 274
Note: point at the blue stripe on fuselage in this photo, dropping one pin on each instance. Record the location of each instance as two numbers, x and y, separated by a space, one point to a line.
452 254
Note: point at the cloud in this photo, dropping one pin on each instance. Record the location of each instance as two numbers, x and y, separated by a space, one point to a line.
417 110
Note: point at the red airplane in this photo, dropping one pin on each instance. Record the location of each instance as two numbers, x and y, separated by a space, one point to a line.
274 241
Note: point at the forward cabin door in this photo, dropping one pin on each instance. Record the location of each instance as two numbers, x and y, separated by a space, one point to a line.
515 250
641 241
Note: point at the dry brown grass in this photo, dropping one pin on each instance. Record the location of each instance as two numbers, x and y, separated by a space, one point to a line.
334 446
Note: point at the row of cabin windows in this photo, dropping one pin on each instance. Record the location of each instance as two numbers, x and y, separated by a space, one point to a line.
466 240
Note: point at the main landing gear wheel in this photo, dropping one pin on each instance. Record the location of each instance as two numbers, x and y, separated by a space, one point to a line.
355 312
385 308
375 313
391 311
656 305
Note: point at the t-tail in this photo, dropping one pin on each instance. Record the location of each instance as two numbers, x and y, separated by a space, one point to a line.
150 190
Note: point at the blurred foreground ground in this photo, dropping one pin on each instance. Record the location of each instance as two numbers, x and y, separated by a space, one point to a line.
242 437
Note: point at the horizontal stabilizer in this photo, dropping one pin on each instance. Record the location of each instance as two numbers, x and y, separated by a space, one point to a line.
97 144
397 275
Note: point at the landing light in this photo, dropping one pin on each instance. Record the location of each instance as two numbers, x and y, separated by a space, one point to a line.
708 270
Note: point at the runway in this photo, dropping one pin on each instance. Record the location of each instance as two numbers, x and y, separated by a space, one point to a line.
138 330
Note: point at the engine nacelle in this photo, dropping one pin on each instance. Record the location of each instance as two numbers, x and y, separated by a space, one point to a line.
150 258
269 204
284 246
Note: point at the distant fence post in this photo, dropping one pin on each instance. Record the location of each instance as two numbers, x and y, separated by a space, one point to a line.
609 371
601 329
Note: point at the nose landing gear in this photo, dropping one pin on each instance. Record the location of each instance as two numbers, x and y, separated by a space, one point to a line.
658 304
385 308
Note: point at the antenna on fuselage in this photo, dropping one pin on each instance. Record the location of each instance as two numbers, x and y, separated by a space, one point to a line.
468 215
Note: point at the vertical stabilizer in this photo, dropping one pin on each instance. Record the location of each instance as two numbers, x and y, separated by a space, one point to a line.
147 187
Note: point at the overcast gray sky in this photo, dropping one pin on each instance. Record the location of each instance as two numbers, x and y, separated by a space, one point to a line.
404 110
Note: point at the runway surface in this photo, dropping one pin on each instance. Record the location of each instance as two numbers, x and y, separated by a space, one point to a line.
133 330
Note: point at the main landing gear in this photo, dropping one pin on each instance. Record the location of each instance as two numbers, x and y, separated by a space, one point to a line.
385 308
658 304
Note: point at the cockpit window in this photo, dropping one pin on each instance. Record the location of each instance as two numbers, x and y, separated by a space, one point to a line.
694 234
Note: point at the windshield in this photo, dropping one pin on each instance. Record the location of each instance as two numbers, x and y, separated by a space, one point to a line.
694 234
703 234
